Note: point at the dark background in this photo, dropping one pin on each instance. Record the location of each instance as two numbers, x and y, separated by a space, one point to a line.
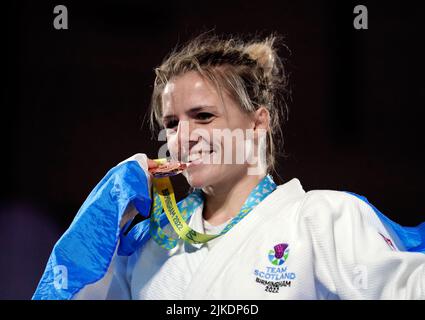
73 104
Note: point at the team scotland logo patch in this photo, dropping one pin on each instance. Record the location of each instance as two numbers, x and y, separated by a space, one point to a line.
275 276
279 254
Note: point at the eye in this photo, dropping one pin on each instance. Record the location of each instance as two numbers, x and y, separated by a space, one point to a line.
204 116
171 124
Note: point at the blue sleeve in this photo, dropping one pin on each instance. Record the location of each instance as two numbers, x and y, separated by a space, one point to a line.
84 252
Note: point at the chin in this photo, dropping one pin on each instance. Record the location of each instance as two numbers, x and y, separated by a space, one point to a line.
201 176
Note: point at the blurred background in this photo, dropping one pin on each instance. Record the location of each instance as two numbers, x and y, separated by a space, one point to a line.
74 102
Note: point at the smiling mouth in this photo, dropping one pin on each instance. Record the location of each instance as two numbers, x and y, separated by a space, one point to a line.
199 156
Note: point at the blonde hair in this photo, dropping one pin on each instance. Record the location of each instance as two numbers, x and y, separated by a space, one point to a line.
251 72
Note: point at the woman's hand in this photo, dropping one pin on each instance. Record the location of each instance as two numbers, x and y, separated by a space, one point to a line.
151 164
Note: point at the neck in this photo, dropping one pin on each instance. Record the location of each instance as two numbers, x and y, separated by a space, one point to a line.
224 201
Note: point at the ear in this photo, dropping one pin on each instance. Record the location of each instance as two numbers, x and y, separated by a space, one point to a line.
262 119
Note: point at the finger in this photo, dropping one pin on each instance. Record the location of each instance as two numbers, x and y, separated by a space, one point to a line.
152 164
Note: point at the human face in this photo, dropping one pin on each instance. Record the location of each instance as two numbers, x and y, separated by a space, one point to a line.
192 109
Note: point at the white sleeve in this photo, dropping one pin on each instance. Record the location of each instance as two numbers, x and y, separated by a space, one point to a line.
355 256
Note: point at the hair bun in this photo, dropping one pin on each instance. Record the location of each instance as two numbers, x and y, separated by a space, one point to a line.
263 54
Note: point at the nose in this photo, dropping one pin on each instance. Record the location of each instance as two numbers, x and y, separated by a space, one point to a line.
186 139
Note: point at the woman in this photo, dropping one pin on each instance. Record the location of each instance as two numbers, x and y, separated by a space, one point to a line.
261 240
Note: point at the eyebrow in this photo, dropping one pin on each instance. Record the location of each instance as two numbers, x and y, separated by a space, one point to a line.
191 111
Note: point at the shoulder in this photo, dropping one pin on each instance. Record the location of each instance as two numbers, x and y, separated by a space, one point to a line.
345 214
332 204
325 209
329 203
329 213
332 201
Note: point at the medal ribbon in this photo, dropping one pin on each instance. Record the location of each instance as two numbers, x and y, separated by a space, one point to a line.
164 199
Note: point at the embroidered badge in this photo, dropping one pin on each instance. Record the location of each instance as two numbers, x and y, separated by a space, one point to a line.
279 254
275 276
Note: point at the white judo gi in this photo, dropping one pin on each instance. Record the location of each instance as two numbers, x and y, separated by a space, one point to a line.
335 247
